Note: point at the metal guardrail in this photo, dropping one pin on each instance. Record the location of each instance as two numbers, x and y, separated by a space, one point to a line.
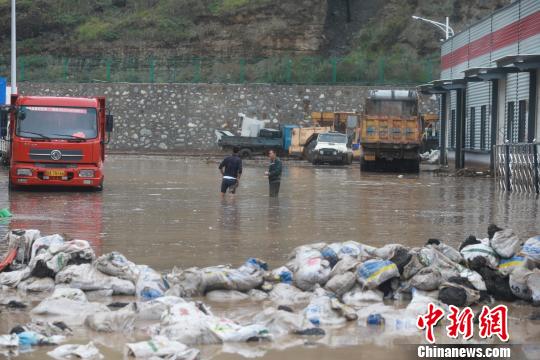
517 167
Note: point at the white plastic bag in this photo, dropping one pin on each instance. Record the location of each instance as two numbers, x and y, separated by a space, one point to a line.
13 278
359 298
88 351
312 269
185 283
340 284
320 312
470 252
279 322
86 277
372 273
186 323
150 284
34 284
122 320
505 243
507 266
116 264
285 294
531 249
226 296
159 347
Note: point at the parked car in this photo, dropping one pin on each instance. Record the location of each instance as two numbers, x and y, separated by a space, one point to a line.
329 147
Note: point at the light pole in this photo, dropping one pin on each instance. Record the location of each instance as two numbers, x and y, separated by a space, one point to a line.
448 31
13 49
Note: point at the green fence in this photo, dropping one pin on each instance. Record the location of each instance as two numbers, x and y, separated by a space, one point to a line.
284 70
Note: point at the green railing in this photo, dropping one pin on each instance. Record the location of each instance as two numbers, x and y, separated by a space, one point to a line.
284 70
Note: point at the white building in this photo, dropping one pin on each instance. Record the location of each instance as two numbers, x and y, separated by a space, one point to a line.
489 85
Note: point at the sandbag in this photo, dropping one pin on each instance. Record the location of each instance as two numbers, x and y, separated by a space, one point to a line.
226 295
87 278
22 241
185 283
401 257
358 297
312 270
71 311
481 250
88 351
43 243
355 250
427 279
159 347
531 249
505 243
34 284
187 324
248 276
279 322
281 274
387 251
417 262
507 266
525 284
373 273
152 310
13 278
347 263
449 252
122 320
229 331
150 284
285 294
340 284
330 255
60 254
320 312
457 295
257 295
496 283
117 265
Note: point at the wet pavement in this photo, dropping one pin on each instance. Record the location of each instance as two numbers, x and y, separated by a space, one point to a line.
167 212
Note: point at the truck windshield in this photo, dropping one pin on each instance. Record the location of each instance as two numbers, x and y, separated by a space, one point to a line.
334 138
57 122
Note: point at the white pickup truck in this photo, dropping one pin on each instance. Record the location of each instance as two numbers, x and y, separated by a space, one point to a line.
330 147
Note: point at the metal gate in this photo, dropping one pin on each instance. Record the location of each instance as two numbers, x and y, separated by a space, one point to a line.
516 167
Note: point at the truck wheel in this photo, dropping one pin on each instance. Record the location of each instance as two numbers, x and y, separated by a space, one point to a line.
349 160
245 153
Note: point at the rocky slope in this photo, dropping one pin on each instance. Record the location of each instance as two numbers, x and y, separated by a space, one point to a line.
251 28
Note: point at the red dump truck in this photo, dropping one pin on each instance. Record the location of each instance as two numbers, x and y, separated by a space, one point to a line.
55 141
391 131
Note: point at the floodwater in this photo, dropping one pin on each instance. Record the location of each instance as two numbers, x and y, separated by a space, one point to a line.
167 211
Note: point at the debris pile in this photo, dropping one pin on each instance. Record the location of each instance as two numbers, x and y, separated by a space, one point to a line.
321 285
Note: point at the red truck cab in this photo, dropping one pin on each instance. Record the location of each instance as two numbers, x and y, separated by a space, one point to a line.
57 141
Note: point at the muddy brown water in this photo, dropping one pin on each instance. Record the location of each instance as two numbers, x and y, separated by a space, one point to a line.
167 211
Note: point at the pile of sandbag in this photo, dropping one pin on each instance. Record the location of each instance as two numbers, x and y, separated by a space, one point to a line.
321 284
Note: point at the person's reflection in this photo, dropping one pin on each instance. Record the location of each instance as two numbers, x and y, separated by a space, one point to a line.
274 214
230 214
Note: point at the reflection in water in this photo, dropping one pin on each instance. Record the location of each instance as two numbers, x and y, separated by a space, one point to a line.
165 212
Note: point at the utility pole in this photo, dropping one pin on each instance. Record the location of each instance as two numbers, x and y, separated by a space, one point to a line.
13 49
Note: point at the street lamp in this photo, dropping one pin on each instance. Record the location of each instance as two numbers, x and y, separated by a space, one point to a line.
13 49
448 31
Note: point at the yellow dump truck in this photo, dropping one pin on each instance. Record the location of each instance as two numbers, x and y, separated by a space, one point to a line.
391 131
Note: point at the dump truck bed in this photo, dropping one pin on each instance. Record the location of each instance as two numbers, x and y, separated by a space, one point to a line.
391 130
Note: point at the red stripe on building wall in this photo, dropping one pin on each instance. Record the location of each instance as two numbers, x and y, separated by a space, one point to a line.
506 36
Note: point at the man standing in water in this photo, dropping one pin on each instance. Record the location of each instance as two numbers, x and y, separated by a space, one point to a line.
231 170
274 173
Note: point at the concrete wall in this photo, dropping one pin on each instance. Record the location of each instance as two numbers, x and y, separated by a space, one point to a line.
183 117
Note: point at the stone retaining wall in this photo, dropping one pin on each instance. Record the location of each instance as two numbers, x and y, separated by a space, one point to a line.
183 117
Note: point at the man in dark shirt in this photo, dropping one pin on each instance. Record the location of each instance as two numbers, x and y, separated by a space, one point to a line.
274 173
231 170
